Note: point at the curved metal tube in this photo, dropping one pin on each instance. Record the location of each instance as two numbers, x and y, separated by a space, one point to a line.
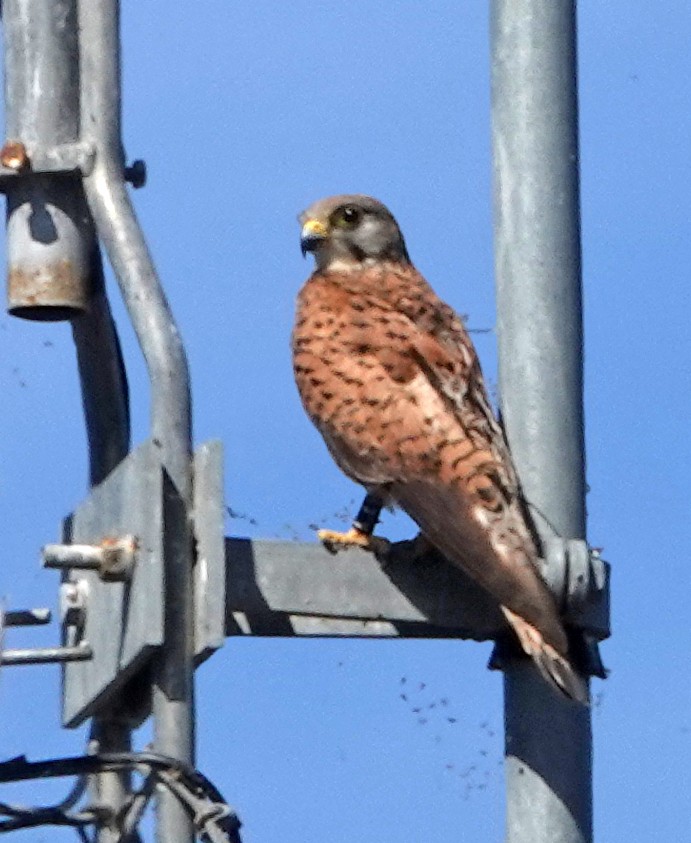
103 380
166 361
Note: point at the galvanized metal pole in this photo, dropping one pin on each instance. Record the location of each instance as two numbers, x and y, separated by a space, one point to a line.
173 702
535 142
54 266
49 236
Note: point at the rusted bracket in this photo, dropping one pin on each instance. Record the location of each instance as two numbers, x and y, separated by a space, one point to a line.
19 160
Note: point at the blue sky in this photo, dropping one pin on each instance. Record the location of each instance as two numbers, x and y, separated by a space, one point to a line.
245 115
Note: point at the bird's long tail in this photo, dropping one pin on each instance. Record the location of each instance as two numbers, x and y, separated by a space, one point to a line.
554 668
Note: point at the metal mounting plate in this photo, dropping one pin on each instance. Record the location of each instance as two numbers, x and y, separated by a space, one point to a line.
210 556
124 621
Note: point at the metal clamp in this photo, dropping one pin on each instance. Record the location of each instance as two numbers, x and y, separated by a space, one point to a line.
62 158
76 157
579 579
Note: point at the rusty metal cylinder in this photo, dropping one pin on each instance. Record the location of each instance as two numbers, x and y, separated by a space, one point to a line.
48 265
49 230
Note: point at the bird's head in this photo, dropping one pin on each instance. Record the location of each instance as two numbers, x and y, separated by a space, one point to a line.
351 231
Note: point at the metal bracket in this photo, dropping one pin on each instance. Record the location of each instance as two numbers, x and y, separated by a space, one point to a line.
579 579
62 159
210 561
17 160
121 620
288 588
294 588
112 594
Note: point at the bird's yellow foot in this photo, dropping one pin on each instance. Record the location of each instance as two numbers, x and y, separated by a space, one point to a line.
334 541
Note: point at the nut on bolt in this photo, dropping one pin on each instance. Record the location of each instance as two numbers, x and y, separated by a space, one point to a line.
14 156
118 556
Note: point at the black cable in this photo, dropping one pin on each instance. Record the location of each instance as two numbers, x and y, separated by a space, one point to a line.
20 769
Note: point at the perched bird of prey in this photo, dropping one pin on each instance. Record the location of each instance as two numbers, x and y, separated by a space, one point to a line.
389 376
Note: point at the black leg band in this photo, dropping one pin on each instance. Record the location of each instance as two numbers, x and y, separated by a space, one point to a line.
368 516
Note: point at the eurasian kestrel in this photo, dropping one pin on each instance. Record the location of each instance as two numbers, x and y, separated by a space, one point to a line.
388 374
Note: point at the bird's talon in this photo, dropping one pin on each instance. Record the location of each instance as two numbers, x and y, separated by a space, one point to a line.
334 541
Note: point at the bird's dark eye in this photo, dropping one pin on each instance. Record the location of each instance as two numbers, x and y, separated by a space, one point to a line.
349 216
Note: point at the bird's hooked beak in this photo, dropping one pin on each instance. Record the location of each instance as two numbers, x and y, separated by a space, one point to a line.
313 234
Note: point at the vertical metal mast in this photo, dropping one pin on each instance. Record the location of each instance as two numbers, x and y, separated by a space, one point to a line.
49 234
538 270
55 267
173 702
